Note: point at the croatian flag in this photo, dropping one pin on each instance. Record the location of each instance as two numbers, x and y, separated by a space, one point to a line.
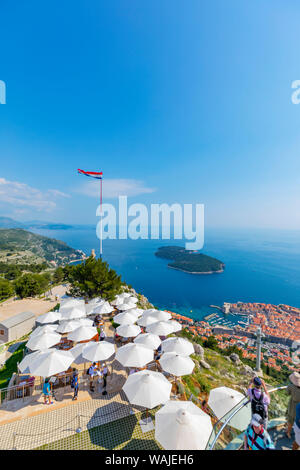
91 174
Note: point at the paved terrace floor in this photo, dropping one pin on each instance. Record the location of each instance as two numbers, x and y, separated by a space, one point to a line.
35 305
51 426
29 424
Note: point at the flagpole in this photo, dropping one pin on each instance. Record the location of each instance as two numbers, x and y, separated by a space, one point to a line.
101 218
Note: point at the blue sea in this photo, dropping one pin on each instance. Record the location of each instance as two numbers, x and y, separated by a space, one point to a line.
261 266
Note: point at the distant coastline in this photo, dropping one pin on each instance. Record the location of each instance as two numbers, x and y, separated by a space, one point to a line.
196 272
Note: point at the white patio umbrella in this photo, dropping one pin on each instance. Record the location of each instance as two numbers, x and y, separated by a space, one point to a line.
67 326
178 345
176 365
159 315
160 328
147 388
134 355
76 352
145 321
124 295
72 314
43 329
51 362
126 306
92 308
89 309
49 317
98 351
149 311
72 303
104 308
82 333
138 312
28 359
125 318
43 341
175 325
95 301
84 321
129 300
148 340
181 425
223 399
119 299
128 331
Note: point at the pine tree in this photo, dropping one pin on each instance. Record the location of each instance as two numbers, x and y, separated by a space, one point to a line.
94 278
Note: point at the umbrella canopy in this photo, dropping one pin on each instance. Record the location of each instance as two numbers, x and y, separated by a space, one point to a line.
43 329
51 362
117 300
175 325
84 321
95 351
67 326
28 359
125 318
82 333
138 312
103 308
223 399
90 309
147 388
128 331
134 355
126 306
159 315
145 321
49 317
124 295
148 340
176 365
72 314
76 352
149 311
95 301
181 425
129 300
71 303
43 341
178 345
160 328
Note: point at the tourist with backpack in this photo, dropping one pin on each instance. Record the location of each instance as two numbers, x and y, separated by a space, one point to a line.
75 384
260 399
256 437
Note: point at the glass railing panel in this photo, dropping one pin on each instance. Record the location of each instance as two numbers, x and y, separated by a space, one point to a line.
235 422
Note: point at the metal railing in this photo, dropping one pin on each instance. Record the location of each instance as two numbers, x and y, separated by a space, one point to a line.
30 389
225 420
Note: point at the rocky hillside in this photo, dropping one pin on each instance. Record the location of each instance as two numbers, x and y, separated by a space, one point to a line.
214 370
21 246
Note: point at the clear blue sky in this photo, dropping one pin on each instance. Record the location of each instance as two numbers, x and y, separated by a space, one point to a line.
176 101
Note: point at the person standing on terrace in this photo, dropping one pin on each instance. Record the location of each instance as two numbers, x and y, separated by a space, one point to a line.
260 399
294 391
75 384
47 392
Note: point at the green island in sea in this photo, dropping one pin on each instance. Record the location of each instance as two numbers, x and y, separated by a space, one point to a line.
190 261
